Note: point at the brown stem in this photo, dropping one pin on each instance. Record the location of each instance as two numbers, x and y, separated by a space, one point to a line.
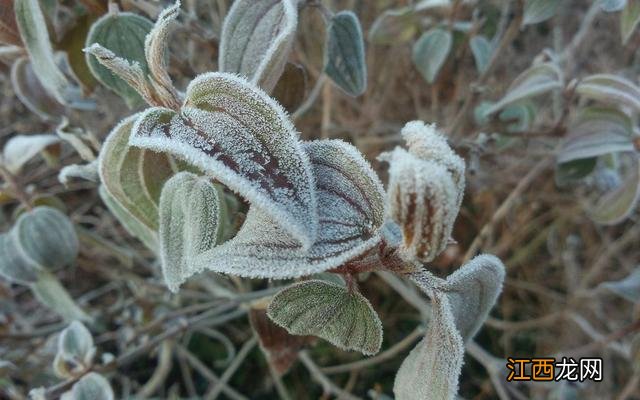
17 191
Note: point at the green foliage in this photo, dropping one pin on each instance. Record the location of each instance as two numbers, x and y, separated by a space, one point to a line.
482 51
92 386
344 53
75 350
536 11
629 19
394 27
431 51
20 149
610 89
339 315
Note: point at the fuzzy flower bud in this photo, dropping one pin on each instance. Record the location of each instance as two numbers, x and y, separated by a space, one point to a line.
426 185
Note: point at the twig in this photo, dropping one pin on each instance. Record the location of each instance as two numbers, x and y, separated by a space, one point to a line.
490 363
322 379
233 367
160 373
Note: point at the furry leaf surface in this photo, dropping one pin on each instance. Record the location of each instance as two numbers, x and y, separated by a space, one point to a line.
344 60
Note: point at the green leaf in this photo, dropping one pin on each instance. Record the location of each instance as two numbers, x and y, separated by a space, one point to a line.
92 386
612 5
615 206
627 288
597 131
344 60
472 291
22 148
431 51
243 138
46 237
257 38
190 209
75 350
610 89
521 116
53 295
574 170
629 19
395 27
73 42
33 30
31 93
14 266
537 80
351 213
536 11
432 368
482 50
341 316
123 33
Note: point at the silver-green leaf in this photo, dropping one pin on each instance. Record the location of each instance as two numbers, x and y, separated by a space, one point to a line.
344 60
482 50
92 386
341 316
610 89
629 19
536 11
431 51
627 288
22 148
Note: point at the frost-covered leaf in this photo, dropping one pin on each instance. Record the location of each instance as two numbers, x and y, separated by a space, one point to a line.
22 148
482 50
431 51
47 237
612 5
131 176
190 210
233 130
598 131
92 386
395 26
108 31
88 172
291 89
629 18
610 89
341 316
9 33
536 11
344 59
76 138
426 186
257 37
53 295
538 79
75 345
33 30
136 228
628 288
430 4
14 266
616 205
472 291
432 368
30 91
351 212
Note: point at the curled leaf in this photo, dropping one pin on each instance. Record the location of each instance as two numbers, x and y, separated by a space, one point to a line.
610 89
341 316
233 130
22 148
344 60
257 38
351 212
88 172
190 210
426 186
431 51
75 350
30 91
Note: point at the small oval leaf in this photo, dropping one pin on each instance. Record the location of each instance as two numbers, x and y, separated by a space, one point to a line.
482 50
14 266
75 344
612 5
257 37
536 11
92 386
615 206
394 27
431 51
341 316
31 93
344 60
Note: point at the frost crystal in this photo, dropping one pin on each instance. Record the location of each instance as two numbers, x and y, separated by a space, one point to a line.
350 206
237 133
425 191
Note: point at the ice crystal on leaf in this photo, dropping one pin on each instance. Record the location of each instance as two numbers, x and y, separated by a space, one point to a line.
257 37
243 138
425 190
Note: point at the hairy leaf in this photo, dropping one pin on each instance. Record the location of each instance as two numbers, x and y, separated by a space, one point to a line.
33 30
109 31
394 27
22 148
341 316
521 116
482 51
472 291
75 344
431 51
629 19
536 11
426 185
627 288
539 79
598 131
257 37
610 89
14 266
612 5
53 295
615 206
31 93
233 130
351 212
432 368
92 386
190 210
344 60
